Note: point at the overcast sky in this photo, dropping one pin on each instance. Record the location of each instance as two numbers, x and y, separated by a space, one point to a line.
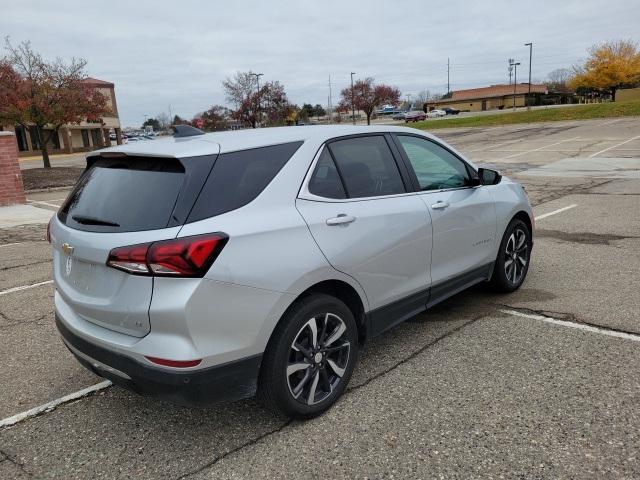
162 54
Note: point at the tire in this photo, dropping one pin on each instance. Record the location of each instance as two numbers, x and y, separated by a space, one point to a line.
317 377
504 279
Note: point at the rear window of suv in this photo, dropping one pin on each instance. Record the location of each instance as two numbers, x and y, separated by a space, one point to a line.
125 194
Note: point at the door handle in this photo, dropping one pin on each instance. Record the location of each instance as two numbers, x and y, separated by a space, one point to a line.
440 205
341 219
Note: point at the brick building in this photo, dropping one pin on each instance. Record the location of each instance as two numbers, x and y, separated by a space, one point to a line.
497 97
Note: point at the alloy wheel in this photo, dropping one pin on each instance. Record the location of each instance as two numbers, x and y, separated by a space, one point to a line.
318 358
516 256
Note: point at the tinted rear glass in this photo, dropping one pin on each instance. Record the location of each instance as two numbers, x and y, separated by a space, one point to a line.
239 177
124 194
325 181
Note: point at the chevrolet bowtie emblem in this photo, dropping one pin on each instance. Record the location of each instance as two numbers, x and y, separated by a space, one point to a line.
67 249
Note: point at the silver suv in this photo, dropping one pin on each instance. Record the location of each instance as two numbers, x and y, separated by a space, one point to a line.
210 267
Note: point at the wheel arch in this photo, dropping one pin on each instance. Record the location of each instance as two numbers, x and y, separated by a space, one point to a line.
341 290
524 216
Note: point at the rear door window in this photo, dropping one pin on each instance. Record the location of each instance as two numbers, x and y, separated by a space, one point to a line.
367 166
237 178
128 194
325 181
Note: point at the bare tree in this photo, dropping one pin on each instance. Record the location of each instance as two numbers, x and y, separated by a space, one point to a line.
239 88
163 120
423 97
558 78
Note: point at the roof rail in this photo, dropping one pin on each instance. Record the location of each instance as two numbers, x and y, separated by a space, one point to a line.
180 131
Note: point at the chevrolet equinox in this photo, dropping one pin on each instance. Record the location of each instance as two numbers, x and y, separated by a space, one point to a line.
209 267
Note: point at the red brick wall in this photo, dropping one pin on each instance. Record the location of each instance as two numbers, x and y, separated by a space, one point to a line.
11 189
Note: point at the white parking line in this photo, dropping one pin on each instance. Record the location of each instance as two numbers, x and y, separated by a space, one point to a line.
539 148
44 203
48 200
21 243
579 326
492 147
24 287
612 121
47 407
563 209
614 146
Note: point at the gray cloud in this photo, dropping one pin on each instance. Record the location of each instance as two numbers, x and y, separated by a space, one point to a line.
160 54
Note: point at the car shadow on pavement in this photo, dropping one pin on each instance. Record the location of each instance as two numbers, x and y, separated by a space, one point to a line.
115 430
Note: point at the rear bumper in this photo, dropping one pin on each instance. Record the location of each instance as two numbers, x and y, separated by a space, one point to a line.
221 383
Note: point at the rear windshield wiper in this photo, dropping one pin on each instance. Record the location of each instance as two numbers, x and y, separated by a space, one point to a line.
86 220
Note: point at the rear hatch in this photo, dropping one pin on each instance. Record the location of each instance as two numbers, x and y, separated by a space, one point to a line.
120 200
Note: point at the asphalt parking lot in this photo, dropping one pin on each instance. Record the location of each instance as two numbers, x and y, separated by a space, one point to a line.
541 383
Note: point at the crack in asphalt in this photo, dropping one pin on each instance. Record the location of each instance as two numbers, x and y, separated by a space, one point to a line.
583 148
12 323
612 194
4 269
564 191
415 353
568 317
10 459
237 449
378 375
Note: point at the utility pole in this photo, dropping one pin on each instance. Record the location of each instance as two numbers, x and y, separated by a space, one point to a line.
329 103
448 86
510 61
258 75
353 110
530 45
515 82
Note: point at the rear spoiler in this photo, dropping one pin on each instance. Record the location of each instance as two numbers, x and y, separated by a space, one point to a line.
180 131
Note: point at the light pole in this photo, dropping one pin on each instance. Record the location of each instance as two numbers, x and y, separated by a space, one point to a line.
530 45
515 82
258 75
353 110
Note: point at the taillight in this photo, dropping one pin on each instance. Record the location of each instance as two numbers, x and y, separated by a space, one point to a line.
178 257
132 259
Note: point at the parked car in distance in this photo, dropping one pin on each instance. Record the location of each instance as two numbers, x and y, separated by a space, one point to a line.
212 267
415 116
451 111
435 113
398 116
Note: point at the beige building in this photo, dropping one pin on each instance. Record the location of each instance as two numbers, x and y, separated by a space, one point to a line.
495 97
628 94
81 137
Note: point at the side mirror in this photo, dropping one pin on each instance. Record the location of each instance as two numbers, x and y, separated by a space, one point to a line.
488 176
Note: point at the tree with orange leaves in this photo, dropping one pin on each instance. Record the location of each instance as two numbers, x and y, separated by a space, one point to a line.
610 66
36 93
